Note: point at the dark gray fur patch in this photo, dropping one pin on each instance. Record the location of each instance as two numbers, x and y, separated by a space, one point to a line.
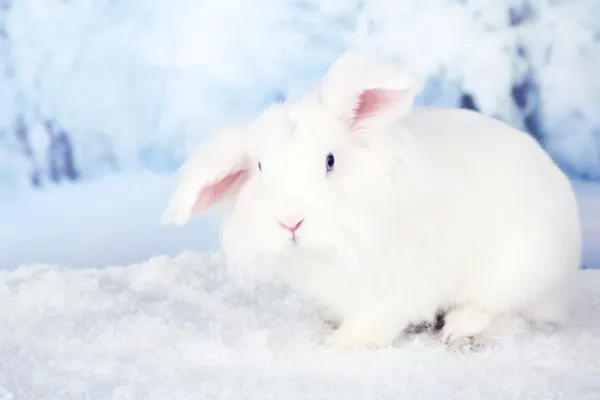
423 326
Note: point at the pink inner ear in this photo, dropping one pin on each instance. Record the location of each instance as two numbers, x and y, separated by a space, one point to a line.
373 101
211 194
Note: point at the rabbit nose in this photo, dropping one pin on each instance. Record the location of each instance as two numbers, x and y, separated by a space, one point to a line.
292 227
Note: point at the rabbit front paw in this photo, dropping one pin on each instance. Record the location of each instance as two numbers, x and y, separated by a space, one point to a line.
466 326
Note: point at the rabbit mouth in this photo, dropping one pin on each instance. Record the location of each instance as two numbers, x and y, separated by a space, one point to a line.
293 240
297 243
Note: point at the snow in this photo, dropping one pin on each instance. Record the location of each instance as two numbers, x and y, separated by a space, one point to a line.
182 328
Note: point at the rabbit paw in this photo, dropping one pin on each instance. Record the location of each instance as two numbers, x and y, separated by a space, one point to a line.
465 325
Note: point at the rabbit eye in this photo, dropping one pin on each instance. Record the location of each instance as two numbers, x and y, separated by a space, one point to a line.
330 162
259 166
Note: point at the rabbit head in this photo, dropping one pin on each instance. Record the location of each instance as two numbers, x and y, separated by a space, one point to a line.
311 176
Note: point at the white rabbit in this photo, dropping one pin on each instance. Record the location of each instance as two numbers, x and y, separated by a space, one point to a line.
386 214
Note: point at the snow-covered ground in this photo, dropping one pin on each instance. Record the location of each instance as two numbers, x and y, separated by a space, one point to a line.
180 328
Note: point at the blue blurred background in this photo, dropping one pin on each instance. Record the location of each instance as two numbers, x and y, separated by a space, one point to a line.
102 100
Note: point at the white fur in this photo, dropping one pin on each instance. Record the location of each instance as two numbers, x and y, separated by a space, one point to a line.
424 210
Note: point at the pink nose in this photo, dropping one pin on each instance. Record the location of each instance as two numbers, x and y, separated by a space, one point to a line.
292 227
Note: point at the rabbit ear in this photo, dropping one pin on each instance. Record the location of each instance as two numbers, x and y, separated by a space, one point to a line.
216 170
367 94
